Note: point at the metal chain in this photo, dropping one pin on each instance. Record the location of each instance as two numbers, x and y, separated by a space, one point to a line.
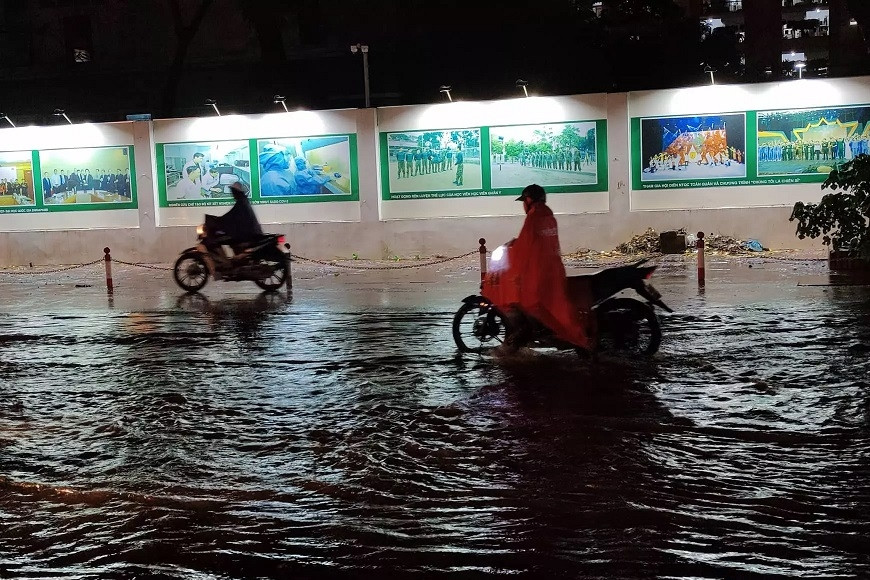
148 266
52 271
403 267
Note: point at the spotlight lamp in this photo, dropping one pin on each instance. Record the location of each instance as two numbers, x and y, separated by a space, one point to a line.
280 99
523 84
213 104
446 90
61 113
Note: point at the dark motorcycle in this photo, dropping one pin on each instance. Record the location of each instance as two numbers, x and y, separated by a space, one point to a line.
262 261
624 325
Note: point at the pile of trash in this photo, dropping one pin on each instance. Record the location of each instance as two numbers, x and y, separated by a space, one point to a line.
645 243
649 242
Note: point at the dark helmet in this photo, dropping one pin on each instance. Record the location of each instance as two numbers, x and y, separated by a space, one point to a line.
533 192
239 190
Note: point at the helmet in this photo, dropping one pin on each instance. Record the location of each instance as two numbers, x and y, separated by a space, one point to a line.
533 192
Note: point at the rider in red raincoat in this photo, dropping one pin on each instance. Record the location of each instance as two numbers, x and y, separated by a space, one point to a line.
533 282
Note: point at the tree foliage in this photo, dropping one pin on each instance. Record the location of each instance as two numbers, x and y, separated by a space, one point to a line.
841 218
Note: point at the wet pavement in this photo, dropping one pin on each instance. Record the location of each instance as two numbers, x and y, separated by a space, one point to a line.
336 432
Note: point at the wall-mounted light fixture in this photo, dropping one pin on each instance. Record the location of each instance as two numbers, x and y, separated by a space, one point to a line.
710 70
280 99
523 84
61 113
213 104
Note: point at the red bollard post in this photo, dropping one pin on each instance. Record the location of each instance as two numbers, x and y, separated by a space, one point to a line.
110 287
482 243
699 245
289 281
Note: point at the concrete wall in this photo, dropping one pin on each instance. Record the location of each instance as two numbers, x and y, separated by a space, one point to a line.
373 228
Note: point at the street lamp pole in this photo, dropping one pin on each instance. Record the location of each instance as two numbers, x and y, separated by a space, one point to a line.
364 49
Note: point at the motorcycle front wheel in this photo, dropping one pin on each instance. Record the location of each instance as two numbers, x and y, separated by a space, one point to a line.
628 326
278 266
190 272
478 328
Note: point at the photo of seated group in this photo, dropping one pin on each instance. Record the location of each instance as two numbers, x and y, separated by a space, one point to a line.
86 175
205 171
304 166
16 179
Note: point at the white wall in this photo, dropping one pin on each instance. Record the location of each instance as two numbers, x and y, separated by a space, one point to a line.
236 127
375 229
713 99
67 137
459 114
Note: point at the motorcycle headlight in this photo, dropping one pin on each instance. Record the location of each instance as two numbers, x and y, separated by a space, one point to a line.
498 262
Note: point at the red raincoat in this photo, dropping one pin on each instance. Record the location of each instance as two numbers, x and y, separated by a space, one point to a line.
534 280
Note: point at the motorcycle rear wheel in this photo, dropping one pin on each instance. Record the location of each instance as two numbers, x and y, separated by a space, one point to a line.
628 326
278 263
478 329
190 272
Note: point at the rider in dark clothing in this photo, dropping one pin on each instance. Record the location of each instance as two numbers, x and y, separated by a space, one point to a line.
240 223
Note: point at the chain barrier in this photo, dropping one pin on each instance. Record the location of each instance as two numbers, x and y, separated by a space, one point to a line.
571 262
50 271
402 267
139 265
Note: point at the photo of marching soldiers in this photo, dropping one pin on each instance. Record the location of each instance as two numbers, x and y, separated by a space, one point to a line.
16 180
685 148
434 160
87 175
551 154
811 141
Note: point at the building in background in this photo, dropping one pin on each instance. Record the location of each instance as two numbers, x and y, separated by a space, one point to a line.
758 40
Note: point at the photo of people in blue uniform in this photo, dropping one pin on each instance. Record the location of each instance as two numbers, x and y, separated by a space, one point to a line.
16 180
205 171
86 175
304 166
811 140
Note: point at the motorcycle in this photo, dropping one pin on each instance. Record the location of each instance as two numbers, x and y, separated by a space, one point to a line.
624 325
263 261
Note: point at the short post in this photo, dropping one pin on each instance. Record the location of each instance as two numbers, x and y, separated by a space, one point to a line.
110 288
482 250
699 245
289 280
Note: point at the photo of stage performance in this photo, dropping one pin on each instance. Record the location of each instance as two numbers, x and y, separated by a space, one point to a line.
811 140
691 148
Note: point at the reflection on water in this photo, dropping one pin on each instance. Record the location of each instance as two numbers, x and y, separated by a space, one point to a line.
264 437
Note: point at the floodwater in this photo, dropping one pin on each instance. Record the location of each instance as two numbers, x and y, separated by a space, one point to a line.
338 434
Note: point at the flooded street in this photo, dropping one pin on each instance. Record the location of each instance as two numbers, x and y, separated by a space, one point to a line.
243 435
